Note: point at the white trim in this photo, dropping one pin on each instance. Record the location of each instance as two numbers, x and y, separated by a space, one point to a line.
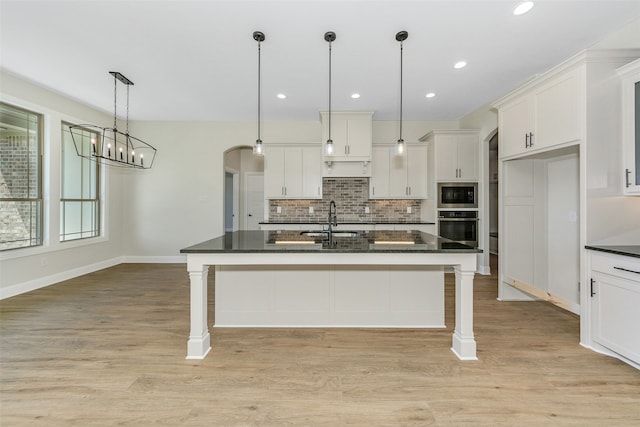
42 282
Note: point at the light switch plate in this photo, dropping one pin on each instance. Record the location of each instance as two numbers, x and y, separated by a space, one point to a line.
310 209
408 209
278 209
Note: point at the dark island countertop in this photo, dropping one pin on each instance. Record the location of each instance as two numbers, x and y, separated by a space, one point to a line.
626 250
349 223
294 241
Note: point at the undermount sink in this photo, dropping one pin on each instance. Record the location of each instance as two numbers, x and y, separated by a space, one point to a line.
334 233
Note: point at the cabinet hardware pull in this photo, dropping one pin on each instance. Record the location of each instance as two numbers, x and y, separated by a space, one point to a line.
626 269
626 178
592 293
530 139
526 140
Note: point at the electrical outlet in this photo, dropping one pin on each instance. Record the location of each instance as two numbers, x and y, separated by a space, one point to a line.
310 209
278 209
366 209
408 209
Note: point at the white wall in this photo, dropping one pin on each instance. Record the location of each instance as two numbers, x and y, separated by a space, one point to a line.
30 268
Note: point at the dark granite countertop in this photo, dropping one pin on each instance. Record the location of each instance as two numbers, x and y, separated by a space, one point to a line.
626 250
294 241
350 222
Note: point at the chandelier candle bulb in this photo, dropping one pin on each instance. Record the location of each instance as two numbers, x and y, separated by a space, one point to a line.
133 157
93 143
109 150
141 159
121 153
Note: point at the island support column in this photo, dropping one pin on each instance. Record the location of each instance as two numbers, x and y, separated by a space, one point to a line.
199 342
463 342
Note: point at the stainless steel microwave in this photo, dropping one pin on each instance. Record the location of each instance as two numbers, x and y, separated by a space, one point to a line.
457 195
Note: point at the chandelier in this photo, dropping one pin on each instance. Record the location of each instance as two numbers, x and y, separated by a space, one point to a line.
113 147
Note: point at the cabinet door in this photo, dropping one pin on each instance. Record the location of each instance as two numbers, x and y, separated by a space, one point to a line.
615 314
468 157
398 186
417 171
446 157
274 167
312 172
379 183
631 130
558 111
359 136
515 124
293 172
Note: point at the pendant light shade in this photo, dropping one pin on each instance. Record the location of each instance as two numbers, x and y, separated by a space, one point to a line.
258 148
329 37
401 37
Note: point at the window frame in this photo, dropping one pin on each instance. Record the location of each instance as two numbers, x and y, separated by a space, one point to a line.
97 191
39 199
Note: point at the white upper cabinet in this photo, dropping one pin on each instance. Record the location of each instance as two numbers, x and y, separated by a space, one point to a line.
293 171
351 133
630 75
399 176
548 115
455 154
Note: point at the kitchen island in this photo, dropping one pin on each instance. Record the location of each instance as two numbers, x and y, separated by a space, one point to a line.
363 279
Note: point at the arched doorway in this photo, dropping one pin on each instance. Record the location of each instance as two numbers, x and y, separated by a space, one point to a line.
244 203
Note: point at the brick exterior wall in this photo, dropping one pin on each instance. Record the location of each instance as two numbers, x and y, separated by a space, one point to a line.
18 161
351 196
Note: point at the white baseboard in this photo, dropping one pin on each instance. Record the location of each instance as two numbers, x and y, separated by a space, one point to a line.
42 282
179 259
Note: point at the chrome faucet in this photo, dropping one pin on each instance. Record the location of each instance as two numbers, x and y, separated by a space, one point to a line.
333 217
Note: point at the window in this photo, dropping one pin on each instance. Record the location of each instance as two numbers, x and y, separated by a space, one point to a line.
79 186
20 178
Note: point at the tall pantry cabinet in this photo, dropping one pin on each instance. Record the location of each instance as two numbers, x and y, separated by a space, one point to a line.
560 163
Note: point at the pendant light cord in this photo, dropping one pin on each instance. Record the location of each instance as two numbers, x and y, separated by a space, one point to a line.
127 111
259 49
329 91
401 74
115 101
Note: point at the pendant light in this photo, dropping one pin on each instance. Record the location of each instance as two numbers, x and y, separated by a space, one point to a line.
257 148
330 37
113 147
401 36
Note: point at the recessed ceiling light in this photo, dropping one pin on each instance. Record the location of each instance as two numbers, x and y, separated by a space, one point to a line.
430 95
523 8
460 64
355 95
281 95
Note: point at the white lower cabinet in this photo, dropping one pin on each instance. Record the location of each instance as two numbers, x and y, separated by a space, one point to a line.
614 294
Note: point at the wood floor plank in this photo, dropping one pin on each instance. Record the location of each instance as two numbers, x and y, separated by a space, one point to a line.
109 348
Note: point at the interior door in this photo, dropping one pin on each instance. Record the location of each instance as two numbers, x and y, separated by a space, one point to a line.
254 200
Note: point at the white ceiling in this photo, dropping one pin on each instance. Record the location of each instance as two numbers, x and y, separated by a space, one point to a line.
197 60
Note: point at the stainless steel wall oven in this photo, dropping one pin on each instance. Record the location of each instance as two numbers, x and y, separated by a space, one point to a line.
461 226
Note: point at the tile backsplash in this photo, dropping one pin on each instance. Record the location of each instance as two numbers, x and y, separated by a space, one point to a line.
352 197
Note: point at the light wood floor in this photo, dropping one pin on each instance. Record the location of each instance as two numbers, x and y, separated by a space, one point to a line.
109 348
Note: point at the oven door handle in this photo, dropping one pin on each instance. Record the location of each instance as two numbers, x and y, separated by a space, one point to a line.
458 219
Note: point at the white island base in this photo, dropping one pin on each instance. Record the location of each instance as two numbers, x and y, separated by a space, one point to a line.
332 290
387 296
